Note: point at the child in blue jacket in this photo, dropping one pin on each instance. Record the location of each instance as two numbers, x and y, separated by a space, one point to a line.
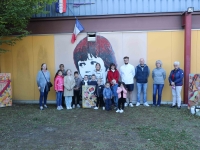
114 92
107 95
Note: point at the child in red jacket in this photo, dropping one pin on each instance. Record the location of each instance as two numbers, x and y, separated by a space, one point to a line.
121 90
59 88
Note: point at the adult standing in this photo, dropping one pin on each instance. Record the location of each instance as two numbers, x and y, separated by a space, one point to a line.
176 82
141 74
159 76
99 73
113 73
43 77
127 73
62 68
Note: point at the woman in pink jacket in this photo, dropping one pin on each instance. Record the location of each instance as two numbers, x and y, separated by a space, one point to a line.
121 90
58 86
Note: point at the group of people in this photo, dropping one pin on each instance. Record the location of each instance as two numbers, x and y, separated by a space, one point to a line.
114 87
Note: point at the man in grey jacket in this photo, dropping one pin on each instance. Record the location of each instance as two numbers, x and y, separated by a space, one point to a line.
159 76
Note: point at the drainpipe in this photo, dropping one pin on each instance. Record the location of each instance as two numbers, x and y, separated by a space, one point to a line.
187 25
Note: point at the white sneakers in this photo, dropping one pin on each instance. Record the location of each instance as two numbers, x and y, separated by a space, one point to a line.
73 106
78 106
103 108
130 105
137 104
117 111
125 104
59 108
120 111
41 107
146 104
69 107
45 106
96 108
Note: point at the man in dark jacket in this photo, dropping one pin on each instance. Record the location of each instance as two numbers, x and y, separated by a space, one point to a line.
141 75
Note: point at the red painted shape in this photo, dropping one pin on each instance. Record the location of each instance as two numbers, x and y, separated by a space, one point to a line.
187 24
64 6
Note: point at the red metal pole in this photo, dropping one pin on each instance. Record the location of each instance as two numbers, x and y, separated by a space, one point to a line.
187 23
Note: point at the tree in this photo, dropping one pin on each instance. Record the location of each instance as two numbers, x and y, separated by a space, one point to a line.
15 16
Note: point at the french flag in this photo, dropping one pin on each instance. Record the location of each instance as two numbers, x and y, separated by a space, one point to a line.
77 29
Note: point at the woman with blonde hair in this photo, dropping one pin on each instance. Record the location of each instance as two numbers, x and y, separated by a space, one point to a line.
159 76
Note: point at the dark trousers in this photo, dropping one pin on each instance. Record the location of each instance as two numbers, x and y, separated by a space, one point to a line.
159 88
76 97
43 96
100 102
108 104
121 102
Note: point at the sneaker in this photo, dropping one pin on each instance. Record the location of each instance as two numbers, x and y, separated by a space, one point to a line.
117 111
121 111
137 104
125 104
58 108
115 108
41 107
45 106
96 108
153 105
70 107
172 106
103 108
61 108
73 106
146 104
78 106
179 107
130 105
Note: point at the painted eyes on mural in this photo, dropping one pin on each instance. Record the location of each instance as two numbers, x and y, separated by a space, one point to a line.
81 64
93 62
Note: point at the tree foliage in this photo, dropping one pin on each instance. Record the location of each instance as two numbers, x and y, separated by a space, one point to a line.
15 16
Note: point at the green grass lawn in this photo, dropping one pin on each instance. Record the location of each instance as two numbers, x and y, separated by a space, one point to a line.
139 128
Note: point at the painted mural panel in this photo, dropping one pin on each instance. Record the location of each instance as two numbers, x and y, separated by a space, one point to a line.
108 48
5 90
88 98
194 90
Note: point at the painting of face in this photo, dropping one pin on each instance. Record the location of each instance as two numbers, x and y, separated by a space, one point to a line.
88 66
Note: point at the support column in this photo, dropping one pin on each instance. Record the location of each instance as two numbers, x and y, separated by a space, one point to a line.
187 25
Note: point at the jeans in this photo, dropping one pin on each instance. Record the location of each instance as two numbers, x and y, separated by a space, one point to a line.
116 100
68 101
108 104
176 94
142 86
59 98
159 88
43 96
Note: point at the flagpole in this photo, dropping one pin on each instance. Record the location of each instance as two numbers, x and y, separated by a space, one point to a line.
71 11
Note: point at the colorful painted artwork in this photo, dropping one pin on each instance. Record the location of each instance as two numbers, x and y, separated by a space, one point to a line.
88 96
194 90
5 90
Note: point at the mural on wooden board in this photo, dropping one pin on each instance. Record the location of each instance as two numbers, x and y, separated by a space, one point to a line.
5 90
88 97
194 90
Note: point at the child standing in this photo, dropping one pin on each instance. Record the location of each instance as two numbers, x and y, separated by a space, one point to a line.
107 95
99 94
93 80
58 86
122 97
76 97
114 92
69 84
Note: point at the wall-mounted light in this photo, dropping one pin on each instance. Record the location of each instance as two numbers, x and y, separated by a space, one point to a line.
190 9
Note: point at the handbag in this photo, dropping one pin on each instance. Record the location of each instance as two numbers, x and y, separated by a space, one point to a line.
48 85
